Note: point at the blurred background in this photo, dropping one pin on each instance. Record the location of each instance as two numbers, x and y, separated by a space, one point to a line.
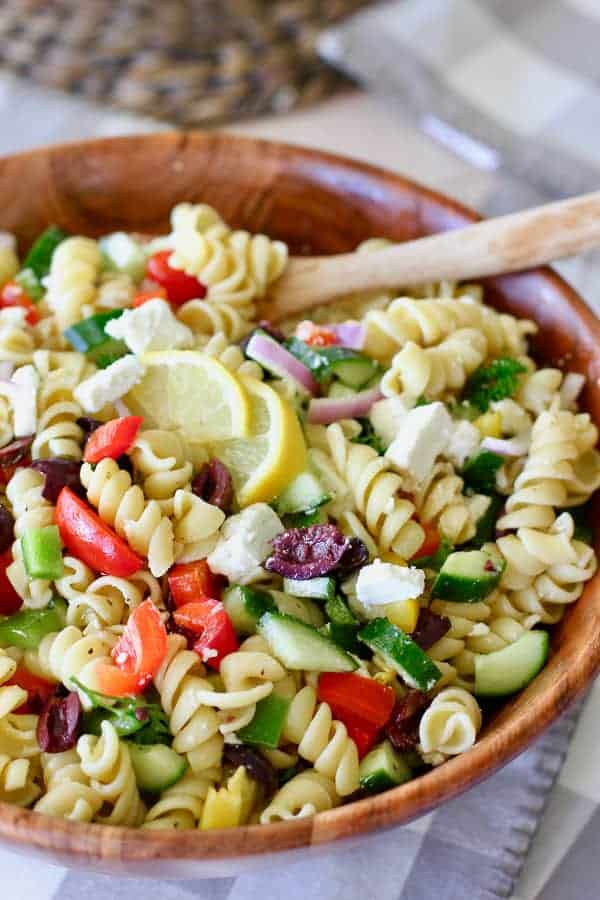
496 102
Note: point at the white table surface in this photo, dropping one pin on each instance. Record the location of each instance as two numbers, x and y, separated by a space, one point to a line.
357 125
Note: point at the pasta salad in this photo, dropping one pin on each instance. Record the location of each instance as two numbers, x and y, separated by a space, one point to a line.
247 572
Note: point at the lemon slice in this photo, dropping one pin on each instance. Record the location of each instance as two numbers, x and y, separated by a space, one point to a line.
193 393
263 465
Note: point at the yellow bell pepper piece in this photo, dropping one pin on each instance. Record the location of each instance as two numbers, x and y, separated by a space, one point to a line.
403 614
489 424
230 805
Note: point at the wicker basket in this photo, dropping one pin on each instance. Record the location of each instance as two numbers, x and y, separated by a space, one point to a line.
196 62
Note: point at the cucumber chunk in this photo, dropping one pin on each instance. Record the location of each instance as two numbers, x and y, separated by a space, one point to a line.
301 608
345 636
89 337
383 768
512 668
479 471
315 588
39 257
156 766
245 605
302 519
468 576
339 391
299 646
353 369
304 493
401 653
338 611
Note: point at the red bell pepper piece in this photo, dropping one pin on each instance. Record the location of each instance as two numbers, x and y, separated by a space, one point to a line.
90 539
353 697
38 689
316 335
193 581
179 286
12 294
209 619
364 735
112 439
432 540
10 602
138 654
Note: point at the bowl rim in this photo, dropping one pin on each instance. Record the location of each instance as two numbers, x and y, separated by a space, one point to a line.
397 806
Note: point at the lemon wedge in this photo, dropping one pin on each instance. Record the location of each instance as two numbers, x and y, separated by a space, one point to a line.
193 393
263 464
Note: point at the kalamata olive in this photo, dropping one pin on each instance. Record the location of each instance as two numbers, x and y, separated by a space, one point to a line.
59 723
60 473
7 525
15 452
307 552
430 628
355 555
403 727
88 425
257 766
214 485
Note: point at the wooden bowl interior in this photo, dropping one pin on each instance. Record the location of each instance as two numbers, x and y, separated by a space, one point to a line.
323 204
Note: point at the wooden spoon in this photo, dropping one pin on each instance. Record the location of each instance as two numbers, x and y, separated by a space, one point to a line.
511 243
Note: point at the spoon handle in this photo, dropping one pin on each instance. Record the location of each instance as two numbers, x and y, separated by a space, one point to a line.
510 243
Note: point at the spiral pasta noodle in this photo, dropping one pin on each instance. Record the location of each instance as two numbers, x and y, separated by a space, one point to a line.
303 795
69 794
104 601
215 317
449 725
67 654
160 457
73 277
440 500
31 510
123 505
375 492
322 740
193 723
106 762
437 371
428 322
9 261
180 806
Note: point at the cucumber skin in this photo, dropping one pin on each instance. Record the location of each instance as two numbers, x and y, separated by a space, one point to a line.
302 588
463 588
245 606
278 627
483 661
140 757
382 637
485 527
291 500
383 768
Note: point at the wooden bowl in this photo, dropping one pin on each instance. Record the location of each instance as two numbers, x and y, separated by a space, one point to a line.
316 203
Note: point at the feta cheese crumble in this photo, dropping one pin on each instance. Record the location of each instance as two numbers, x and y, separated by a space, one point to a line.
381 583
424 433
108 385
245 543
151 326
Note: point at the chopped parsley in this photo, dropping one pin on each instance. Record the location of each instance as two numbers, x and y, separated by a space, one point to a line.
497 380
136 717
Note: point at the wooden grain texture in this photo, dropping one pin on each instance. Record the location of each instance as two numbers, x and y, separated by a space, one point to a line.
319 204
506 244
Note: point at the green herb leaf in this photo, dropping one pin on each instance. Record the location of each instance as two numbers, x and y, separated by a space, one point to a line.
368 436
129 716
493 382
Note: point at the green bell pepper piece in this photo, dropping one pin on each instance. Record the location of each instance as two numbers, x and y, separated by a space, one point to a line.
266 726
26 628
42 552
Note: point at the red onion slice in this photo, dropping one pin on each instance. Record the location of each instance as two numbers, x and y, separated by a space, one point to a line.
324 411
281 362
512 447
350 334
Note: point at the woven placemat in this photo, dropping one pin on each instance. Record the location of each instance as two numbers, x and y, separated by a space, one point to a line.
193 62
